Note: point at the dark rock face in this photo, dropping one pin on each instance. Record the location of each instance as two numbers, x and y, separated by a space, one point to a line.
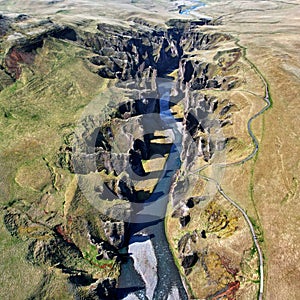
183 243
127 54
22 50
225 109
191 202
138 107
197 40
212 83
13 219
66 33
184 220
142 147
4 25
16 57
81 279
188 71
105 249
189 260
103 290
115 233
124 54
186 253
135 160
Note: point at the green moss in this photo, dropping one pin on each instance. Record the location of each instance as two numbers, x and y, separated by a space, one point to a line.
13 88
63 11
256 281
253 251
91 254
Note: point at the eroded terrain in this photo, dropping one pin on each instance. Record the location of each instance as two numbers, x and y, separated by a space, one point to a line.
97 81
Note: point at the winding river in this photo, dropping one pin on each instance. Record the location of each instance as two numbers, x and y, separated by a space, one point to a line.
151 273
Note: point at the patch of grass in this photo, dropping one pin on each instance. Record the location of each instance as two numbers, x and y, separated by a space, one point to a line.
257 229
91 254
244 51
63 11
253 251
255 281
13 88
51 94
18 277
8 115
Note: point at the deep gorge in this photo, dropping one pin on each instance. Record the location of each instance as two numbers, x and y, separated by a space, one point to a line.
113 150
140 60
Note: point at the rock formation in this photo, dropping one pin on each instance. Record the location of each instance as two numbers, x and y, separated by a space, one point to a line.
111 150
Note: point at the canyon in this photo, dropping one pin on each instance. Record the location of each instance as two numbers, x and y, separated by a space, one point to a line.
111 132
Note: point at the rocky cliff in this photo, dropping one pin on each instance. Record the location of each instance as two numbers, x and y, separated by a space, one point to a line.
113 150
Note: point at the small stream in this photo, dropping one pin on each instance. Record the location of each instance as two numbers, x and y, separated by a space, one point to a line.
189 6
157 276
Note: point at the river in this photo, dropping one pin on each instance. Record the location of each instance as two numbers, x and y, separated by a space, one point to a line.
189 6
151 273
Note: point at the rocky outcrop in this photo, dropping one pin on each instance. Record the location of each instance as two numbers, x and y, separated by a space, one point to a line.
13 219
117 141
199 122
103 290
53 252
19 56
105 249
5 23
128 54
192 201
185 247
115 233
24 36
184 220
189 261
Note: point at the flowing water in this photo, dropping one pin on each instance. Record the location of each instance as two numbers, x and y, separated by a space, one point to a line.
185 9
148 225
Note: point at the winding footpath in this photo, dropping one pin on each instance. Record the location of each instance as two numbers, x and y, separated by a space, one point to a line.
150 238
257 246
267 100
242 161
